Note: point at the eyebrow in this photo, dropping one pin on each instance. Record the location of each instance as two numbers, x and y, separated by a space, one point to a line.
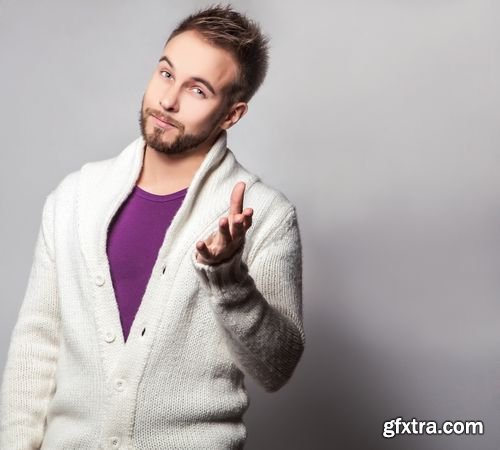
198 79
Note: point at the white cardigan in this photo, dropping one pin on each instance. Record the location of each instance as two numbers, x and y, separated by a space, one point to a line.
71 382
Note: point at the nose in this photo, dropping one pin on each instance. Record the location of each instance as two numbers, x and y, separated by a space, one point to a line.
169 101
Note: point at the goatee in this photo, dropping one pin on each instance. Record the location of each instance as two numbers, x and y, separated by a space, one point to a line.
182 143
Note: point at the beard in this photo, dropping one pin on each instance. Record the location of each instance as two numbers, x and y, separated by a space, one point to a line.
183 142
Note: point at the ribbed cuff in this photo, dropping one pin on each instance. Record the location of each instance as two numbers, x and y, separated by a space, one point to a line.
222 279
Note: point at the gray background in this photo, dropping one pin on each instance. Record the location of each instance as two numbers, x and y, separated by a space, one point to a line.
378 119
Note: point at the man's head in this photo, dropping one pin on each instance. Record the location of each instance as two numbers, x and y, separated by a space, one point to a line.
211 66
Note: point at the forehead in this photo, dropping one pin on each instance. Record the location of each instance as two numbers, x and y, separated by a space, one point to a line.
192 56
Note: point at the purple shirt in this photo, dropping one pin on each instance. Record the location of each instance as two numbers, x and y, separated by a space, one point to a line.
135 236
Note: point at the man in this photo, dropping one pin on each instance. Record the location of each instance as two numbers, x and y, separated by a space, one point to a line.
162 275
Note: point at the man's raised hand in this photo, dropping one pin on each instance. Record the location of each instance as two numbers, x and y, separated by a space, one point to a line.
222 244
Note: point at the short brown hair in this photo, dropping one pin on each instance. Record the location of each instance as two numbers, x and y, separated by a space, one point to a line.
232 31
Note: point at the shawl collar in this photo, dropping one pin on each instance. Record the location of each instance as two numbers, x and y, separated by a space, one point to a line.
105 185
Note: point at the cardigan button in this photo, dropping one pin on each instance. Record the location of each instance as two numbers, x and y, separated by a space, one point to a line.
99 280
109 336
115 442
119 384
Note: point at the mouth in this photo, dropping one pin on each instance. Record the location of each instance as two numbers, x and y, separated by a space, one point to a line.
162 122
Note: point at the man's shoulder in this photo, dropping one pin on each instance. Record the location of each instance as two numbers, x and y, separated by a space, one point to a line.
261 193
275 201
69 182
96 170
273 210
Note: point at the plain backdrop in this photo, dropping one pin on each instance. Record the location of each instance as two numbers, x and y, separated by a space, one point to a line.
379 120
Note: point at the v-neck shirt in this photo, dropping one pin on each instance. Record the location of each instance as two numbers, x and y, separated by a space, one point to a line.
135 236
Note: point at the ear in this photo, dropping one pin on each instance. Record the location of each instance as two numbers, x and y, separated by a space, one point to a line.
236 112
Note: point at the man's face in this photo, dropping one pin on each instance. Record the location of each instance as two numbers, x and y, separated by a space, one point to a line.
186 90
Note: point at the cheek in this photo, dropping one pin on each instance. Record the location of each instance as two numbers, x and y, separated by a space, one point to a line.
152 91
199 113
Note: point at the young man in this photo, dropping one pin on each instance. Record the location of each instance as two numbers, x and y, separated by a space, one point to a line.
134 337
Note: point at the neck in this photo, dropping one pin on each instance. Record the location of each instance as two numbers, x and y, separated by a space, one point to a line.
163 174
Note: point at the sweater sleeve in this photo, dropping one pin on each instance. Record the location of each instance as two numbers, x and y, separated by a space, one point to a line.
260 306
28 378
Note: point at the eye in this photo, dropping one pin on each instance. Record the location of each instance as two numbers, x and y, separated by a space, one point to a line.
199 92
168 74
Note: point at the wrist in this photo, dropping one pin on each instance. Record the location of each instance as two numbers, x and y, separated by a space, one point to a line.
224 275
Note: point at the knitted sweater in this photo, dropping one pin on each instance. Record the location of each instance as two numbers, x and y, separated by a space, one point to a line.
71 382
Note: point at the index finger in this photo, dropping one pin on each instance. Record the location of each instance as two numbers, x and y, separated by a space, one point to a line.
236 206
